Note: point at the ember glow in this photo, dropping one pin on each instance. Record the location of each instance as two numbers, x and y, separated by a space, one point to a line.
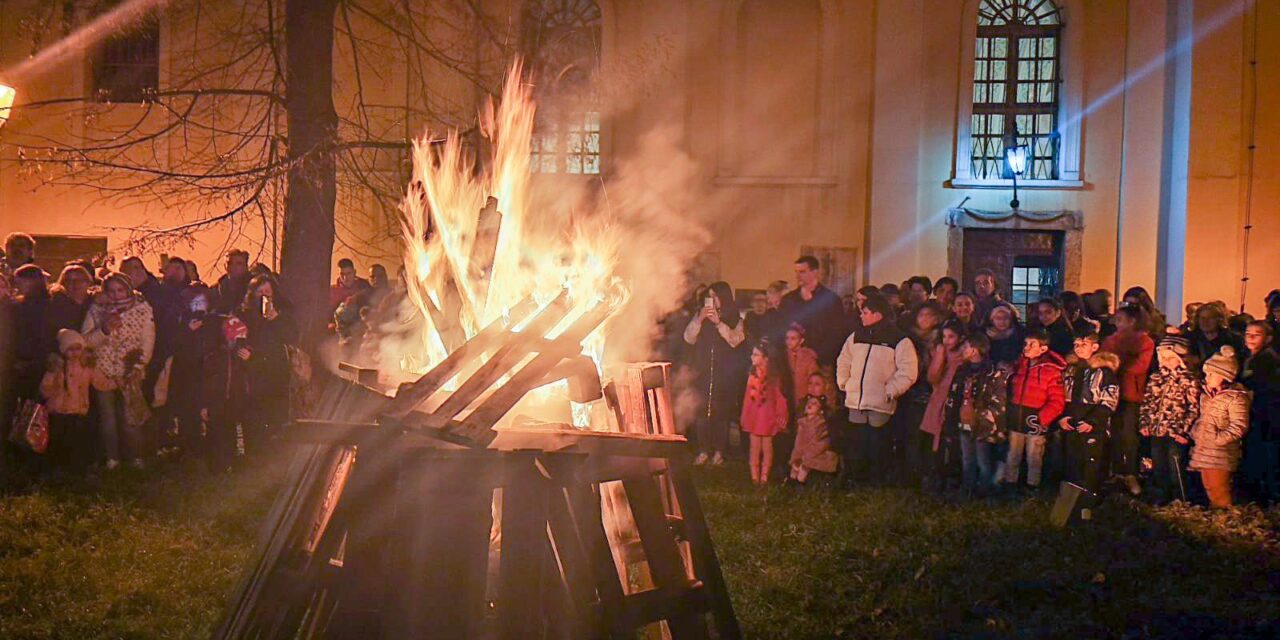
475 245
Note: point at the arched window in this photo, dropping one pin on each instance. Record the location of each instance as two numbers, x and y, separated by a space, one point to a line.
561 41
1016 87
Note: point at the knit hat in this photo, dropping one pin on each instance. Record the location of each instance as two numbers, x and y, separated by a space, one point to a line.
1223 363
1179 344
68 338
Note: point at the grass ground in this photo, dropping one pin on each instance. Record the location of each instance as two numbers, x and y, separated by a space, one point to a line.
155 555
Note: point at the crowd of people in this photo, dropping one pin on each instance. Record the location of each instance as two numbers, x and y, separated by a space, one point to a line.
124 365
927 384
920 383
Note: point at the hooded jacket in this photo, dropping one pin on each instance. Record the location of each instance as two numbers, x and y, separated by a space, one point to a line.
1136 349
876 366
1171 404
1093 390
1037 396
1220 429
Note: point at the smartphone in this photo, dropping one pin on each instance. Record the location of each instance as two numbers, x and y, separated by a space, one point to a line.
709 303
266 306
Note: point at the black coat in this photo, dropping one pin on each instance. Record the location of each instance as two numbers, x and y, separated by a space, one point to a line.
1261 375
823 319
719 375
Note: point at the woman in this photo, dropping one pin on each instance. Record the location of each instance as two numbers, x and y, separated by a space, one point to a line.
1155 325
69 298
715 332
965 310
924 335
267 316
1211 333
120 329
1005 333
946 359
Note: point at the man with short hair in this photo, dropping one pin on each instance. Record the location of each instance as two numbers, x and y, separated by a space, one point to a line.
876 367
919 288
348 284
19 250
944 291
229 290
817 309
986 293
142 280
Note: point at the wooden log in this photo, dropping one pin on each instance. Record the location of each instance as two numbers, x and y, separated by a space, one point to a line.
597 443
410 395
479 425
516 348
583 377
484 247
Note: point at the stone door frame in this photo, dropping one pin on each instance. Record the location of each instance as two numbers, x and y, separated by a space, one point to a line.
1070 222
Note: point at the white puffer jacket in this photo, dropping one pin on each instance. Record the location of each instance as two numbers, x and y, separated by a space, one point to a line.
876 366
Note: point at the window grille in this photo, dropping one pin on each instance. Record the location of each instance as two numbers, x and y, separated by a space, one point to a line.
126 67
562 44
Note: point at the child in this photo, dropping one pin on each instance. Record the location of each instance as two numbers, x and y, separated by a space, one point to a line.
1223 422
1036 400
975 409
1092 391
1170 407
813 450
1136 349
803 361
65 387
947 358
764 412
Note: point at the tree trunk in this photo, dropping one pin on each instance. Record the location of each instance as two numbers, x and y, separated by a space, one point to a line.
307 249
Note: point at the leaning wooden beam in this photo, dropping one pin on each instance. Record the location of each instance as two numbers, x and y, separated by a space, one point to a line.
478 425
410 395
583 377
485 247
504 359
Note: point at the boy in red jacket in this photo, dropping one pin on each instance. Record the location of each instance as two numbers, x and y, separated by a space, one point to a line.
1036 400
1135 348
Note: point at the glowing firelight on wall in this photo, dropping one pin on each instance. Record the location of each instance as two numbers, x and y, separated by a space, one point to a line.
7 95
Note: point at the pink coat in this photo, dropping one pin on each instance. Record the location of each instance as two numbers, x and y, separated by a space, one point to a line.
764 408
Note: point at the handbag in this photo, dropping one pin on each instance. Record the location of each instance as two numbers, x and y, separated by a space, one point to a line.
30 428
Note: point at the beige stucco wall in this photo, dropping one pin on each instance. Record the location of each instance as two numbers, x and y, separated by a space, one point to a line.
859 149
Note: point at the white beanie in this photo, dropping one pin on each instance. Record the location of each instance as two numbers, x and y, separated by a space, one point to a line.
68 338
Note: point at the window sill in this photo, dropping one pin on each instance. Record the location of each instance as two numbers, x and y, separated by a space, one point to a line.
969 183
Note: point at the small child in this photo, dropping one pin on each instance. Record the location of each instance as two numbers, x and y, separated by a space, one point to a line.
1170 406
975 409
803 361
1036 400
1223 422
813 450
65 387
764 412
1092 390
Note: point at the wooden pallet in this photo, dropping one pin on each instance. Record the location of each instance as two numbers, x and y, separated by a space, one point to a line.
397 522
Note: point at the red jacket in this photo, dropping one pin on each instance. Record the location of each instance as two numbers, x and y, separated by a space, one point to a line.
1135 349
1037 384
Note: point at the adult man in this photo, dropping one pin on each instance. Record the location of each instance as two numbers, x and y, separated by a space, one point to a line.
229 290
919 288
348 284
876 366
986 292
143 281
168 301
19 250
817 309
1062 336
944 291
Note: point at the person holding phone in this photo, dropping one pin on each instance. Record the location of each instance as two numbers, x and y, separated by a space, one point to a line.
715 332
265 352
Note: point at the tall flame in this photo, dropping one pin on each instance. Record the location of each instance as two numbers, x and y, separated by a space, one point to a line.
474 245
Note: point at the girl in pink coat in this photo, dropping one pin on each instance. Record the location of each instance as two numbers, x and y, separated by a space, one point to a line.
764 411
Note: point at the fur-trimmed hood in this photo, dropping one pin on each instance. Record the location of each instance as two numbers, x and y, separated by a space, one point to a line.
1105 359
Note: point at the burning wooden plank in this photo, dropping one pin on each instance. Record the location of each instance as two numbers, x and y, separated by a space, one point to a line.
484 248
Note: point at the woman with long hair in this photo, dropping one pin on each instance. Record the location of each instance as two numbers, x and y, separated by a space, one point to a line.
714 333
271 330
1153 319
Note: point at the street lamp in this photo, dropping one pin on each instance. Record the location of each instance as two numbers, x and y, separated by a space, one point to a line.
7 94
1015 156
